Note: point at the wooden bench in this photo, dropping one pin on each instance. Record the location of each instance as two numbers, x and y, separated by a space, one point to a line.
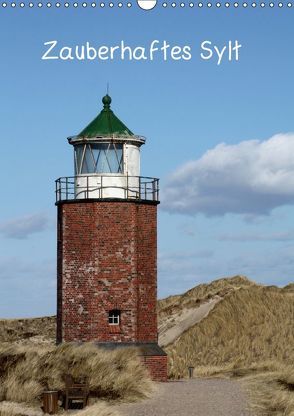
75 391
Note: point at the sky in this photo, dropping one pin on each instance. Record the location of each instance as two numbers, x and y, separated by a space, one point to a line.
219 137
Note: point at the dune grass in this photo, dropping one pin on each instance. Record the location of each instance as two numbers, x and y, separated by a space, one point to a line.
22 409
272 393
201 293
26 372
269 385
41 330
18 409
249 335
249 326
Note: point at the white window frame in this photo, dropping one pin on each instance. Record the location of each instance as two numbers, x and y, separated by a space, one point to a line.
114 317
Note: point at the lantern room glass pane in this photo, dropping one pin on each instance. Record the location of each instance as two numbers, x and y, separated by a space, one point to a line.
101 152
99 158
78 158
88 162
109 157
114 157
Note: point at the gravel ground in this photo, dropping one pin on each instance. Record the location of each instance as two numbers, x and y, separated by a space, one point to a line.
197 397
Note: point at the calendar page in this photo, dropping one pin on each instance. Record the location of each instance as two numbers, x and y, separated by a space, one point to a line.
147 162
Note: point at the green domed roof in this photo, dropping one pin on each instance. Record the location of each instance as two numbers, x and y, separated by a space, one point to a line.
106 123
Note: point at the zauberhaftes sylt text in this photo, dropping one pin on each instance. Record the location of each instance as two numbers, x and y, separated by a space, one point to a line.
154 51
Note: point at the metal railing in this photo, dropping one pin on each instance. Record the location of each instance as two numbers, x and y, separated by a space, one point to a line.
106 186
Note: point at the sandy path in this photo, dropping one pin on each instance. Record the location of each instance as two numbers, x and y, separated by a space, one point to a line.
175 324
197 397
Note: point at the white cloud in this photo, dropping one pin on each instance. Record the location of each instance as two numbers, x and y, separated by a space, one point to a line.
249 178
21 228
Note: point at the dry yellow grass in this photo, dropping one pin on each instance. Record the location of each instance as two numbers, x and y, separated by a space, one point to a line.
18 409
39 330
250 325
249 333
201 293
246 327
98 409
26 371
272 393
235 370
22 409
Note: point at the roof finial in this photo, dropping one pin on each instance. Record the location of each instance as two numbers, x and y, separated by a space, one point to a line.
107 88
106 100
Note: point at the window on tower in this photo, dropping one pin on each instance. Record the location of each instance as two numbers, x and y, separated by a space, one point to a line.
114 317
99 158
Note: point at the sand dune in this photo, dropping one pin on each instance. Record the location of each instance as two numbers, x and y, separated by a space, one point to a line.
177 323
231 327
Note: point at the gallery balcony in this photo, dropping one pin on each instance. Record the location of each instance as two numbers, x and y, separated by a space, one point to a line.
107 186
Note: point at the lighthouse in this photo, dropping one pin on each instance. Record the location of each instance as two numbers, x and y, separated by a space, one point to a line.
107 244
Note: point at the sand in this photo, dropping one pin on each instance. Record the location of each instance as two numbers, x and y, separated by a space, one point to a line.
175 324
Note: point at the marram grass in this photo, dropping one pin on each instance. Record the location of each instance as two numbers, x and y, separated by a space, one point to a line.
26 372
22 409
249 334
272 393
247 327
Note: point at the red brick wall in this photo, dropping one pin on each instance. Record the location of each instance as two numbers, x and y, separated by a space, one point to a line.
157 367
106 260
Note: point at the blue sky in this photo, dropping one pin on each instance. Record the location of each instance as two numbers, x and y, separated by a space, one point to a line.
220 138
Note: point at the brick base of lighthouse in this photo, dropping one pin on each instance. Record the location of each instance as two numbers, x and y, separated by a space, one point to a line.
152 357
107 261
157 366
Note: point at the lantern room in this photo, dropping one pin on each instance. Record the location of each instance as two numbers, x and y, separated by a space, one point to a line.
107 162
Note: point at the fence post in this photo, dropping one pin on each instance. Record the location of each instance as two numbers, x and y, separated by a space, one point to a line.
66 188
157 189
191 370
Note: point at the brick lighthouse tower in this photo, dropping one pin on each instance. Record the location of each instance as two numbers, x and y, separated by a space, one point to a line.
107 244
